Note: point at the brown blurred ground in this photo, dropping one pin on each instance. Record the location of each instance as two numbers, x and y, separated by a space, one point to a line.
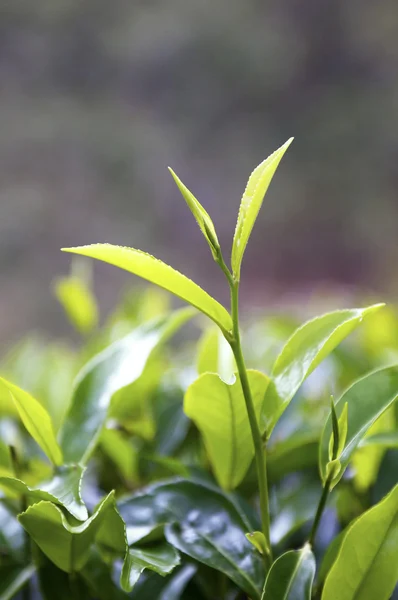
98 97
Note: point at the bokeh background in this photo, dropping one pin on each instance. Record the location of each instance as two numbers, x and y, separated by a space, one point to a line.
98 97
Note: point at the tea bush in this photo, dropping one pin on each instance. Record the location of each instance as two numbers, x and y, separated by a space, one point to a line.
148 465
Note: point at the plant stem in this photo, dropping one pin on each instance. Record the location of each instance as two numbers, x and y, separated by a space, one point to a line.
260 457
320 509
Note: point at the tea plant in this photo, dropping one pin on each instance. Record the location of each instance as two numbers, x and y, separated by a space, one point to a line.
115 488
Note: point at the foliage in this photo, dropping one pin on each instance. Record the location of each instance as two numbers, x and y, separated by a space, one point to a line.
151 478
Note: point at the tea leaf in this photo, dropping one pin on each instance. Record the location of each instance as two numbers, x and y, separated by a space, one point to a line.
203 523
63 489
291 576
219 411
303 352
202 217
36 420
78 301
67 546
117 366
251 202
367 564
153 270
215 355
367 399
161 558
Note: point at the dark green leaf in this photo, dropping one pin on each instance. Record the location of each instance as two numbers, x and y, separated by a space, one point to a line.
204 524
291 576
367 399
62 489
11 535
13 579
178 583
298 451
303 352
367 564
116 367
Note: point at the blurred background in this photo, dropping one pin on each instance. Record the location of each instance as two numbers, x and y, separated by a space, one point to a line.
98 97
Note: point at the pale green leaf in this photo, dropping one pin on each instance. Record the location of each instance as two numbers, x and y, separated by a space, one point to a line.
150 268
366 567
202 217
303 352
67 546
160 558
291 576
251 202
259 541
367 400
78 302
36 420
215 355
220 413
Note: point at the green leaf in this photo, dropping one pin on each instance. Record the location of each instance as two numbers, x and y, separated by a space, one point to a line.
67 546
202 217
251 202
63 489
367 564
121 451
291 576
117 366
385 439
258 539
78 301
13 579
339 432
293 506
67 586
178 583
203 523
161 558
219 411
330 556
367 399
98 577
150 268
303 352
296 452
36 420
215 355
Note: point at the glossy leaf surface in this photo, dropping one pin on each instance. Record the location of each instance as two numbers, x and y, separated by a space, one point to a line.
203 523
150 268
67 546
220 413
303 352
62 489
251 202
202 217
161 558
36 420
291 576
367 564
117 366
367 399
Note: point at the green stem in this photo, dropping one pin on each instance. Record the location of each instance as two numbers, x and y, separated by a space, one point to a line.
260 455
320 509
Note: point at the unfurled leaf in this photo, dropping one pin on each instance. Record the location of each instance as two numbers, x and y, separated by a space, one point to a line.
13 579
149 268
219 411
367 564
78 301
117 366
203 523
62 489
67 546
367 399
215 356
251 202
291 576
160 558
303 352
202 217
36 420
